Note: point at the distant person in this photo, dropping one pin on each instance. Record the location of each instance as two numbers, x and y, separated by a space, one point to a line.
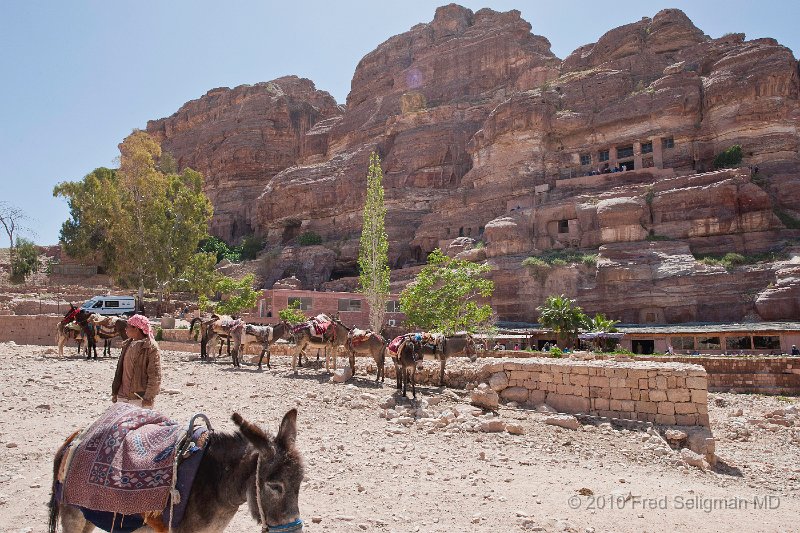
670 351
496 346
795 351
546 347
137 379
516 347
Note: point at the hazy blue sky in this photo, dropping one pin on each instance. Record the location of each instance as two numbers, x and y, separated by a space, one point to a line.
78 76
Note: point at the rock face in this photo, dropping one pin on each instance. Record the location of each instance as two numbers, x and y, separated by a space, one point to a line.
240 138
485 134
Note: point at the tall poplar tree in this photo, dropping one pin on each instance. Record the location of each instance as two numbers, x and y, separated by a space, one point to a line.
373 251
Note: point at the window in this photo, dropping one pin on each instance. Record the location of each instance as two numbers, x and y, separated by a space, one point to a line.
708 343
586 159
602 155
461 231
98 305
305 303
682 343
669 142
650 318
563 226
480 230
737 343
766 342
393 306
647 148
346 304
624 151
112 303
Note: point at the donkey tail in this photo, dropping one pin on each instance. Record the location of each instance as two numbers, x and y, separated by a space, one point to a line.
54 504
191 324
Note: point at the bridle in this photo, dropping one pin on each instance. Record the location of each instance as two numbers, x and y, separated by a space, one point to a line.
294 525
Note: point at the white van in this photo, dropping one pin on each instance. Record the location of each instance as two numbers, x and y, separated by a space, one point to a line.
111 305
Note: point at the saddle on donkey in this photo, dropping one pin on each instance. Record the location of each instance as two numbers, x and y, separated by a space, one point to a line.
317 327
132 467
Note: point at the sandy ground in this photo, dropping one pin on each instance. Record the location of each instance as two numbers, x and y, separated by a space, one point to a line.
423 467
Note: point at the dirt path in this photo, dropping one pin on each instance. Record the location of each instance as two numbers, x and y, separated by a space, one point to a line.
427 467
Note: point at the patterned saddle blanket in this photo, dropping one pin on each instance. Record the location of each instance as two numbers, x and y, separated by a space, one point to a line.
122 469
123 462
359 336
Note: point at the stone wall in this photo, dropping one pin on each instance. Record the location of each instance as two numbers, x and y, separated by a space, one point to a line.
759 375
663 393
29 329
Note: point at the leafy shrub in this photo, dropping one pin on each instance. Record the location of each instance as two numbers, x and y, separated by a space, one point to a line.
589 259
217 246
556 352
558 262
534 262
25 260
251 245
309 238
159 334
732 157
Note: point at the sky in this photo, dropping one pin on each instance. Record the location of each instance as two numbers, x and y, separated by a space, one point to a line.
78 76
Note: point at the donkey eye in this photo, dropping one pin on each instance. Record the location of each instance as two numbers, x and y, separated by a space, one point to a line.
276 487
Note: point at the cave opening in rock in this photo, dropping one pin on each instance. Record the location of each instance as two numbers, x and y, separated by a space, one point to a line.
290 231
346 271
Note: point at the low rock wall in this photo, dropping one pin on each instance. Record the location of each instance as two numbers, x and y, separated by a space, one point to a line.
663 393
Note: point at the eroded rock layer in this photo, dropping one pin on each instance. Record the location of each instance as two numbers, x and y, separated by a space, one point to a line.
485 134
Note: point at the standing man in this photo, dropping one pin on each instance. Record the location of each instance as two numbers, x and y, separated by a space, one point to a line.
138 376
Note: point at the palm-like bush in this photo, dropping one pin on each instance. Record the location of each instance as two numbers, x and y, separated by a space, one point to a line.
560 314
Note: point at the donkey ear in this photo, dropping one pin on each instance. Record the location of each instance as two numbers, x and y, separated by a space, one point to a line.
253 433
288 430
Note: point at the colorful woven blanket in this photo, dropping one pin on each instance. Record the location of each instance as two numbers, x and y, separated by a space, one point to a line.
124 462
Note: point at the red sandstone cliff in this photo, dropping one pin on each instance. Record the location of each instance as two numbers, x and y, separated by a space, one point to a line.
484 133
240 138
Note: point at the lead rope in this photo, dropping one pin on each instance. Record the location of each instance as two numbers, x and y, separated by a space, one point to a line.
174 494
264 526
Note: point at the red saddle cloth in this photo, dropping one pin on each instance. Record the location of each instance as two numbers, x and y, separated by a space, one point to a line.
123 462
394 346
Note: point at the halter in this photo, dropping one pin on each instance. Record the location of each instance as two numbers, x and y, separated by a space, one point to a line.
294 525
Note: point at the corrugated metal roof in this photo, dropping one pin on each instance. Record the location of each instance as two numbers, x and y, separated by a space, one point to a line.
706 327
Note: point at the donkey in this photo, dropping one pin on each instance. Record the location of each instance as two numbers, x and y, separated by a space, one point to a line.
333 338
217 326
266 335
107 328
246 466
408 361
448 346
80 317
367 343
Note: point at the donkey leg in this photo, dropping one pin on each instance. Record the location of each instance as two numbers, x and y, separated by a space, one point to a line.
261 358
441 374
72 520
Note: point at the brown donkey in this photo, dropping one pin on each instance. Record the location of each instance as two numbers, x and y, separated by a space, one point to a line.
246 466
334 337
369 343
267 335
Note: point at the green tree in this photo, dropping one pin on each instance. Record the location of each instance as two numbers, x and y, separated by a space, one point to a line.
600 323
142 224
292 314
219 248
25 260
560 314
446 294
373 261
12 219
732 157
238 295
199 276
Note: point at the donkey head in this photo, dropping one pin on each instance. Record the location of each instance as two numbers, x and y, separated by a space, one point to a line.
279 472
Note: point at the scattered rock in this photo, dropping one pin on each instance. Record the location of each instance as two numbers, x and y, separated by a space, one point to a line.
515 429
564 421
485 398
692 459
342 375
493 426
